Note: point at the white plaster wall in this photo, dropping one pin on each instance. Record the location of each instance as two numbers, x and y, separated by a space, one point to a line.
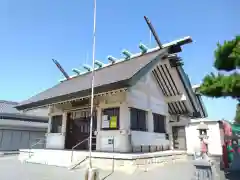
121 136
148 96
214 141
148 138
56 140
121 141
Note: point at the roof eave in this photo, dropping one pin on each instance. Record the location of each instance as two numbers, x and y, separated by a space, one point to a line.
87 92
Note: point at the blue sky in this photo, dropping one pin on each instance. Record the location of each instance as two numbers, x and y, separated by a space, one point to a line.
33 32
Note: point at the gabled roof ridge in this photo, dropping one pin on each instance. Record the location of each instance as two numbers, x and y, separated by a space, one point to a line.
120 61
133 56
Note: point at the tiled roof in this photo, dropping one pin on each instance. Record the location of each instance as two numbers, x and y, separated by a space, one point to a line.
117 73
8 107
8 111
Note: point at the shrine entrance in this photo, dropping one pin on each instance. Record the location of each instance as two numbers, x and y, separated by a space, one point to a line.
78 130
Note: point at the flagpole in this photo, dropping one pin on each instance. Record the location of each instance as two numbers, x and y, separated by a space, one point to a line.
92 89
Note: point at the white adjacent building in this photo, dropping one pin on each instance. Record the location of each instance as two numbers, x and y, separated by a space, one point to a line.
213 133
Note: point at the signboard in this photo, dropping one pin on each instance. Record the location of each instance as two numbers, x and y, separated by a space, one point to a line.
113 122
105 121
109 122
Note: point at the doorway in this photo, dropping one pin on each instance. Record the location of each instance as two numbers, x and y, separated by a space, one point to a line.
179 137
78 130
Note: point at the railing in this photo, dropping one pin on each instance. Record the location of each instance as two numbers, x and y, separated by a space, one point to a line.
74 147
82 160
79 143
40 141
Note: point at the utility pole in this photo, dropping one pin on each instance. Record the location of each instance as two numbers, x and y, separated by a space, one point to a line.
92 174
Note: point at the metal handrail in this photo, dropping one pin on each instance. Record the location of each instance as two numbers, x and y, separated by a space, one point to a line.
38 142
33 145
79 143
79 162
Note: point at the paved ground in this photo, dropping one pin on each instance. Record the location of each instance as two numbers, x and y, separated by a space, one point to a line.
12 169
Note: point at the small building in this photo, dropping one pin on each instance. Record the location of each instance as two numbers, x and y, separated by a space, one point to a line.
213 133
141 103
20 130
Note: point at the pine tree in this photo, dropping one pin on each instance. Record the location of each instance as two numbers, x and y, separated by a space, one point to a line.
226 82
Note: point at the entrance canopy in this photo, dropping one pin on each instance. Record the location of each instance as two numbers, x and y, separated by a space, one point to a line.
164 64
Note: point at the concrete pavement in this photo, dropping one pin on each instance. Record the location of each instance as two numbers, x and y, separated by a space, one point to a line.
12 169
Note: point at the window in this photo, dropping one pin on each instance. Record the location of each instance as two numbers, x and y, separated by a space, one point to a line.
56 124
159 123
138 120
110 119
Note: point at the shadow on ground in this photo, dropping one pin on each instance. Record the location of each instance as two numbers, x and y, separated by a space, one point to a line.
234 175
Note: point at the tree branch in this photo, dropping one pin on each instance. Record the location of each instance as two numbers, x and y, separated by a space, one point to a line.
227 56
221 86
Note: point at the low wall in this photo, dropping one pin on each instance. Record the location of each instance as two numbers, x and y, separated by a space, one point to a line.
55 140
149 141
118 161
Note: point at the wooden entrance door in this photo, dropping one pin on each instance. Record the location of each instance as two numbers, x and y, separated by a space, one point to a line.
78 130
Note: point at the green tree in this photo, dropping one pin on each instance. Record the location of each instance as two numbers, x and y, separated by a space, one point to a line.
226 82
237 117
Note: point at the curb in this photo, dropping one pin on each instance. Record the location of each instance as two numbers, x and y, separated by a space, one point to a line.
8 153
